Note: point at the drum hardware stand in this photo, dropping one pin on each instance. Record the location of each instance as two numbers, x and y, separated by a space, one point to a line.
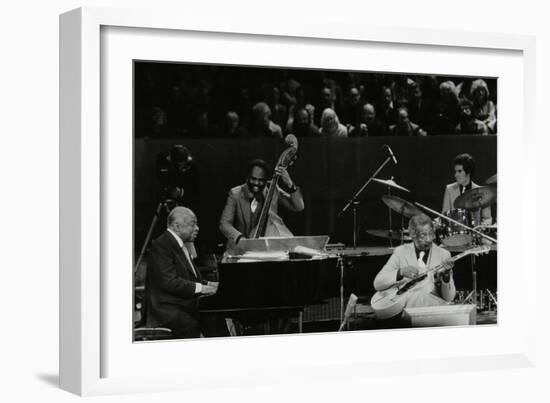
162 206
473 293
457 222
355 202
341 265
492 297
355 206
474 279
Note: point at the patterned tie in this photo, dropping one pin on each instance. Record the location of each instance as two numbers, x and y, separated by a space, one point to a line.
254 205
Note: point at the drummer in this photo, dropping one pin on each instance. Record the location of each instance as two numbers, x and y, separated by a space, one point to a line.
464 168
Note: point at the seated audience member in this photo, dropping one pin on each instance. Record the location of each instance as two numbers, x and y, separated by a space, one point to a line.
261 125
301 124
327 101
404 127
202 128
464 89
152 122
290 91
352 109
231 127
369 125
419 106
386 110
483 108
178 111
444 118
279 112
468 123
331 126
311 110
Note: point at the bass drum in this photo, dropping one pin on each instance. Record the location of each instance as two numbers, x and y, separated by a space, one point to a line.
453 234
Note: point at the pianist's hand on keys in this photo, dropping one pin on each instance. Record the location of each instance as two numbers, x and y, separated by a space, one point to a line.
210 288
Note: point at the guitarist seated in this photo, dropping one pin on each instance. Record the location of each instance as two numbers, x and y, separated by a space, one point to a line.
413 259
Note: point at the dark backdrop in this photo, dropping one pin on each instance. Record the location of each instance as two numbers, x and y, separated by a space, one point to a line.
329 172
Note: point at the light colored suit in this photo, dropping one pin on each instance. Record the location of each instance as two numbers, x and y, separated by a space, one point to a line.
452 191
435 291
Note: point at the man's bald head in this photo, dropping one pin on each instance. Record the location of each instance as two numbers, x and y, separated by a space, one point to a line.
183 222
369 113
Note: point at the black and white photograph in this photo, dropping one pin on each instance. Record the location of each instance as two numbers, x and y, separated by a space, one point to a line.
277 201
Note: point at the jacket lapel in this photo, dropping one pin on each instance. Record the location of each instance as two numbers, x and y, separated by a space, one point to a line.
181 256
456 193
244 205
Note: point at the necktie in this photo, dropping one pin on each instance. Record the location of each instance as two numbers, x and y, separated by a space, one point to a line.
421 263
186 253
254 205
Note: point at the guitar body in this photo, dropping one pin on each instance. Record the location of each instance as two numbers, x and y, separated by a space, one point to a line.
391 301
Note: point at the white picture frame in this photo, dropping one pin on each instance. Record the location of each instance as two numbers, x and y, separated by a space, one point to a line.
85 183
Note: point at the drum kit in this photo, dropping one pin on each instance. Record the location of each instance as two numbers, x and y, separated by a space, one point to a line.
460 227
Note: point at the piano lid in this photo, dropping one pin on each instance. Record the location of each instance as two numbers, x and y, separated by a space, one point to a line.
283 244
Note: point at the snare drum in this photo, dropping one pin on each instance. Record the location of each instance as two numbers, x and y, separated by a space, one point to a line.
453 234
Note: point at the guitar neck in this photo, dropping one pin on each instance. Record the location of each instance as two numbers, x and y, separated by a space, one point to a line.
452 259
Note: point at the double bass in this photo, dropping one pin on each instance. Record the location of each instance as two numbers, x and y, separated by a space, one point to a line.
270 224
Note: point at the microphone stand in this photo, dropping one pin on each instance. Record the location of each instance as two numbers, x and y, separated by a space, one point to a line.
355 202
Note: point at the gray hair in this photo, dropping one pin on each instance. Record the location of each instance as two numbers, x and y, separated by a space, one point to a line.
182 214
419 220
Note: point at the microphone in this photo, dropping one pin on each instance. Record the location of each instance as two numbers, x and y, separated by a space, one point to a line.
349 309
391 154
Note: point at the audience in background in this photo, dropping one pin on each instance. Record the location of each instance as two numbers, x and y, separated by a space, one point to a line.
262 125
232 127
187 101
404 126
387 112
468 123
444 117
301 124
483 108
369 125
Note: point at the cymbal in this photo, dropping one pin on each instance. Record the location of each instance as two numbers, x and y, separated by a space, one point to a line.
401 206
390 183
476 198
395 234
491 180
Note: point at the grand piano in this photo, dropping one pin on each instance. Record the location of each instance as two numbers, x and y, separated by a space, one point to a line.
274 277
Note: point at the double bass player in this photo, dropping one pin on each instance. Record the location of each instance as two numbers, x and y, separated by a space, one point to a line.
245 203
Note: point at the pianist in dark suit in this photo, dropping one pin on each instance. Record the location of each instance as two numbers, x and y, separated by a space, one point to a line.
173 283
244 203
